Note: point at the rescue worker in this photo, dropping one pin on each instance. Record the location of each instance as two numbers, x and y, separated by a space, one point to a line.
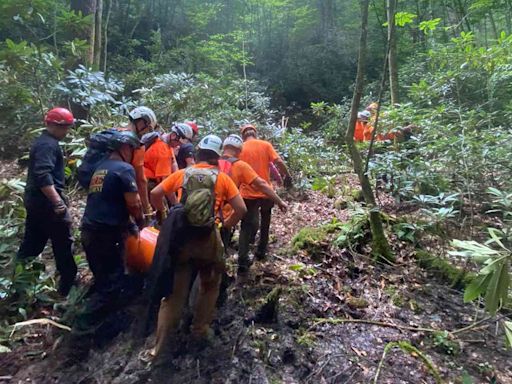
361 123
159 160
202 249
258 154
112 200
47 207
195 129
242 173
180 140
142 121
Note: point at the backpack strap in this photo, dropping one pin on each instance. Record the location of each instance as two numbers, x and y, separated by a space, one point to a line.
225 164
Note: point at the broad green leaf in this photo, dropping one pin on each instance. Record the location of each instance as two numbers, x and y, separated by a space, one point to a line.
476 288
429 25
403 18
498 287
479 252
508 332
493 232
491 266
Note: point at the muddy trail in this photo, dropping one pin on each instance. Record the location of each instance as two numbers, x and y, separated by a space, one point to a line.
331 316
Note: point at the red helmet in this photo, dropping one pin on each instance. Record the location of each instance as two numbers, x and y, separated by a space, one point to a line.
194 127
59 116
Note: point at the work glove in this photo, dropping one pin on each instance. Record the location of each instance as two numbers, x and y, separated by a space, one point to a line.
288 182
60 209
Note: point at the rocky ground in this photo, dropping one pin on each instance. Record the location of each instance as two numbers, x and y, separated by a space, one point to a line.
336 312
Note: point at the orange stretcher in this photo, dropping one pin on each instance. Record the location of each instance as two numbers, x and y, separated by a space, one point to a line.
140 250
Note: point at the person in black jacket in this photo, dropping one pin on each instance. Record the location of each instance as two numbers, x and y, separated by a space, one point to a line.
47 209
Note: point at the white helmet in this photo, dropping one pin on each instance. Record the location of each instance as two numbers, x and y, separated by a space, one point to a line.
183 131
234 141
212 143
365 115
143 113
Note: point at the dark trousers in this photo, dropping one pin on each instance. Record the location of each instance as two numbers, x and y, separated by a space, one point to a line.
41 224
249 228
105 252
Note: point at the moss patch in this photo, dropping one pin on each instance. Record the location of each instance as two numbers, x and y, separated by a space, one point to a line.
357 303
315 240
453 275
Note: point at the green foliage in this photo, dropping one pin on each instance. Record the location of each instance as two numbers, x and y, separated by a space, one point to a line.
91 90
410 232
428 26
507 325
12 215
443 342
219 104
493 279
24 72
309 156
404 18
23 289
326 184
356 229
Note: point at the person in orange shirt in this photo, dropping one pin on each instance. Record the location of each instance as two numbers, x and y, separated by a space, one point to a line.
258 154
142 120
361 124
159 160
242 173
202 250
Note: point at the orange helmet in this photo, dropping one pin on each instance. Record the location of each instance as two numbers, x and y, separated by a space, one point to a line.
246 127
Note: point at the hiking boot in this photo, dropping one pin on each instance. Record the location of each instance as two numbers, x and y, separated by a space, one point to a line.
74 350
65 286
260 255
162 370
198 343
242 275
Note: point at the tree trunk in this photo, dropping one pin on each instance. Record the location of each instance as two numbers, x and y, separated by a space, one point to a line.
463 14
493 25
380 246
393 65
105 43
98 19
87 7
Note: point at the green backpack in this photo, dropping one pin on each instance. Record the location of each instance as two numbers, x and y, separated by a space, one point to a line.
199 195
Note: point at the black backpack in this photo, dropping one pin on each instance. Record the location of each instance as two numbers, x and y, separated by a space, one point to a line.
99 149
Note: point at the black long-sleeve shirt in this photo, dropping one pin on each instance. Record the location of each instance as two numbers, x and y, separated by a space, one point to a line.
46 167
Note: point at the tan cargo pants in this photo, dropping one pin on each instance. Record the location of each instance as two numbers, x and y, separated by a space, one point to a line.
206 255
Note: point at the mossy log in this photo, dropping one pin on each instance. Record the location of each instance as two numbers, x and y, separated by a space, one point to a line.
453 275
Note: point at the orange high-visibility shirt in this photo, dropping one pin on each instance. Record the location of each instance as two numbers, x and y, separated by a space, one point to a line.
258 154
